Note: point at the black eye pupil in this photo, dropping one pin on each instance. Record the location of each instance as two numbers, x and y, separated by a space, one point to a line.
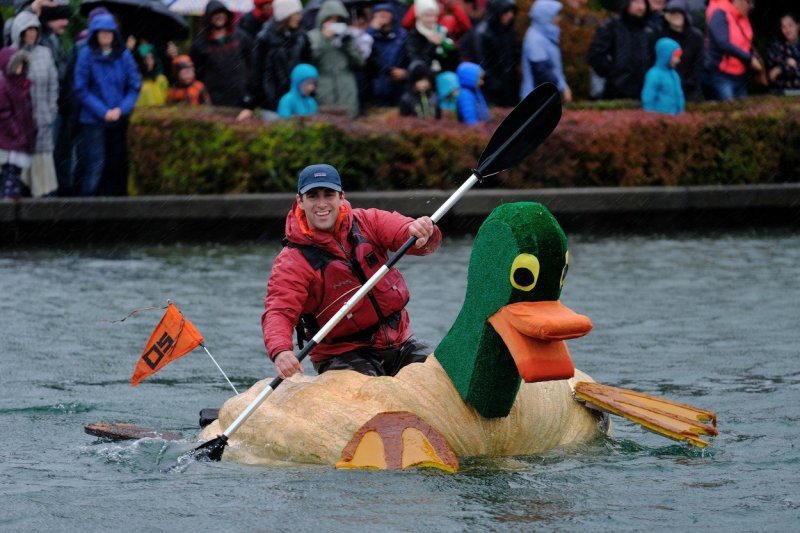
523 277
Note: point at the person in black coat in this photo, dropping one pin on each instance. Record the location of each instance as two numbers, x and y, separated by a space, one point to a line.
495 49
278 49
221 56
622 51
253 21
678 26
387 65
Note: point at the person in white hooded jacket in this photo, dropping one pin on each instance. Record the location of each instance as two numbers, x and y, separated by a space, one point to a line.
40 177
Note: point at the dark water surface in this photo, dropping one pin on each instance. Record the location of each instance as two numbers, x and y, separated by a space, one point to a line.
707 320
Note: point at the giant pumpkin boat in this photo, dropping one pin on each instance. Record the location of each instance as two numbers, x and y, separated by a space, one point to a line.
500 383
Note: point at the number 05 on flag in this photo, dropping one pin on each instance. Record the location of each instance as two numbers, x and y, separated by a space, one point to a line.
173 337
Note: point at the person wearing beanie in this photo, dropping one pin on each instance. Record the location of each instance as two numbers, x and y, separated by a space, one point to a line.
40 177
221 54
451 15
622 50
278 49
678 26
387 65
252 21
330 248
420 100
333 50
662 92
107 85
187 90
428 40
471 104
17 125
299 101
283 9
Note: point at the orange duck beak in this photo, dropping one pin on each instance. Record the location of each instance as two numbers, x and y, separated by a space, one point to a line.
534 333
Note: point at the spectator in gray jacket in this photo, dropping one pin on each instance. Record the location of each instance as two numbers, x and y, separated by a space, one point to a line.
332 49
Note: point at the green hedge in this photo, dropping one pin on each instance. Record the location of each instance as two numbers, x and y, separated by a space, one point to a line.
204 151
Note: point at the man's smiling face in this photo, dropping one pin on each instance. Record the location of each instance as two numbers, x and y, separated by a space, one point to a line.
321 206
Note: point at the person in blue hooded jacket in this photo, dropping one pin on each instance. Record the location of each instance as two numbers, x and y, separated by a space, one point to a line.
471 104
447 90
541 52
662 92
107 85
300 100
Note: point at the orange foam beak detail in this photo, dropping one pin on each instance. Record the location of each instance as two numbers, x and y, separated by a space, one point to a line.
534 333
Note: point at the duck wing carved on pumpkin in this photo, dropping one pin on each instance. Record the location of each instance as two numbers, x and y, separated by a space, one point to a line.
500 383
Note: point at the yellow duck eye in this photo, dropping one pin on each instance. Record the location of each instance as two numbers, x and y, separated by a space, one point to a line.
566 268
524 272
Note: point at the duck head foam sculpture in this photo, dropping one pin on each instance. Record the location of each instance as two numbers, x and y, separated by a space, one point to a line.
512 327
471 398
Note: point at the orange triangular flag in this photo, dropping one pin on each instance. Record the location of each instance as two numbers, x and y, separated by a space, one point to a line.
173 337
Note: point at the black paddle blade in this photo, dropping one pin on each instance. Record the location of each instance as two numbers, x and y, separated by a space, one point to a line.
522 131
211 450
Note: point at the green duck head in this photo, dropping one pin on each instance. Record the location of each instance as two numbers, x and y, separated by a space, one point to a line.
511 326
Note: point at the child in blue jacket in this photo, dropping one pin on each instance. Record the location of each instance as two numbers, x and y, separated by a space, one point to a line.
472 108
662 92
300 100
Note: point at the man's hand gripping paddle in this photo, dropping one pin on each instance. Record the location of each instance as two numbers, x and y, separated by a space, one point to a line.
521 132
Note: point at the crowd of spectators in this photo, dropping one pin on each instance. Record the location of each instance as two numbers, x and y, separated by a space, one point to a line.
64 110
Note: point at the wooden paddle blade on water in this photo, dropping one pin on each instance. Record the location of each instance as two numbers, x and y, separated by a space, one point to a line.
674 420
124 431
522 131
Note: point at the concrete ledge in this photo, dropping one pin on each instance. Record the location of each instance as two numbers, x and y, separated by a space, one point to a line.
261 216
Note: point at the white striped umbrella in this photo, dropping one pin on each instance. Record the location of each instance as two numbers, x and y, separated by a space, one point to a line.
198 7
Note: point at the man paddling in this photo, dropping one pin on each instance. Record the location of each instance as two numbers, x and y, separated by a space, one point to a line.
329 251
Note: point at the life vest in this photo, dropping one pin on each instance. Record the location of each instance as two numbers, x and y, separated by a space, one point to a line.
342 278
194 94
740 35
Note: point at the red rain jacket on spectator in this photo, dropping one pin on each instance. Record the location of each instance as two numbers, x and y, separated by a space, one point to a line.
295 287
730 52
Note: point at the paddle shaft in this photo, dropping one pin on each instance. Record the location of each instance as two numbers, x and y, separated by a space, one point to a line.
357 297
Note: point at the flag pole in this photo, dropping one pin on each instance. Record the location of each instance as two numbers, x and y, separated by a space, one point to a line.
220 368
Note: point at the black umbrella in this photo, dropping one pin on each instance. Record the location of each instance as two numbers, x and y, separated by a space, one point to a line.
143 18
